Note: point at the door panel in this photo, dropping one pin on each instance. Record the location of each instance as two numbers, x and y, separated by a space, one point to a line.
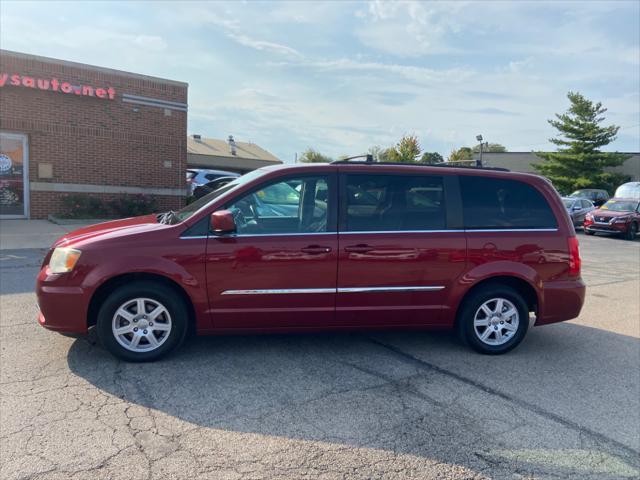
272 281
403 278
398 253
280 269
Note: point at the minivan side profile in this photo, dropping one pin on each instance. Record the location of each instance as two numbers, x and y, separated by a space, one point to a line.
341 246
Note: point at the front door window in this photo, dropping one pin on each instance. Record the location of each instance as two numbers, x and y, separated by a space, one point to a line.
13 172
296 205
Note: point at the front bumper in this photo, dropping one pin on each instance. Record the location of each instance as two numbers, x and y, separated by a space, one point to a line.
63 307
606 227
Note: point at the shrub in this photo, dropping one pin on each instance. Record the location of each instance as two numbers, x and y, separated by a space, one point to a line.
133 205
83 206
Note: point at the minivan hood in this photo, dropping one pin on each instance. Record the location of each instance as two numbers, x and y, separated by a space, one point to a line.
112 229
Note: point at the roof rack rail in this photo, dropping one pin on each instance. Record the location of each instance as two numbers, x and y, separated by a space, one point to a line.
368 159
440 165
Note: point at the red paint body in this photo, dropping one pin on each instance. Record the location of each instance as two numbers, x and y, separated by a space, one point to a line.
604 220
204 267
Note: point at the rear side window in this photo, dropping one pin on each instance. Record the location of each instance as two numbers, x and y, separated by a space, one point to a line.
394 203
493 203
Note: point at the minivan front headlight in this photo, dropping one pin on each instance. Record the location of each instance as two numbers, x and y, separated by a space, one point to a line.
63 259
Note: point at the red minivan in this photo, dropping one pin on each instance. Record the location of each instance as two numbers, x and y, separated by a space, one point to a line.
341 246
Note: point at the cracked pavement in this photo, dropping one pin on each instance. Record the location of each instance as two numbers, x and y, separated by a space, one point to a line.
565 404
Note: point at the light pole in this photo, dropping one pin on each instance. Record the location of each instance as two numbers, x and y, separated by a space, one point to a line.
479 161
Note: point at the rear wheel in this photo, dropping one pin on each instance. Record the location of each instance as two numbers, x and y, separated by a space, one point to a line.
142 321
494 319
632 231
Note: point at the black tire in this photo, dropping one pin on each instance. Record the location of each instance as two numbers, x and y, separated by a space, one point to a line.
632 231
588 232
156 292
472 304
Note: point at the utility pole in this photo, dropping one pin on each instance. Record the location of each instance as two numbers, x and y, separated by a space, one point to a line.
479 160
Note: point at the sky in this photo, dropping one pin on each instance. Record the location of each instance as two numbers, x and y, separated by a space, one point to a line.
341 77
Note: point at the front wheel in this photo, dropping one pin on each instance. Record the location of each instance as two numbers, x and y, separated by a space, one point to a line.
142 321
494 319
632 232
589 232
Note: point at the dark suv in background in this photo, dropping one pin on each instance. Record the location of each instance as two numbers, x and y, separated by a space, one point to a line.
341 246
596 196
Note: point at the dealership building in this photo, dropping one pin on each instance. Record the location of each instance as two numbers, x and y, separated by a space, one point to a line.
78 129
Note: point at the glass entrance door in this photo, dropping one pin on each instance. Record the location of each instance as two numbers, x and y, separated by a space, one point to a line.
14 184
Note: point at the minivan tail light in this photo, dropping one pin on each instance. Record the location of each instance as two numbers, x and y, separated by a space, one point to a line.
574 257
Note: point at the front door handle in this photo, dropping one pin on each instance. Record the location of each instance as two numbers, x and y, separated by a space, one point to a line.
360 248
316 249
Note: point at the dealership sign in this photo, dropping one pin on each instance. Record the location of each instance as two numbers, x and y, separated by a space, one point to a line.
56 85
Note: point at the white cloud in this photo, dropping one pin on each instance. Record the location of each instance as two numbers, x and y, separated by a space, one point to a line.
263 45
409 29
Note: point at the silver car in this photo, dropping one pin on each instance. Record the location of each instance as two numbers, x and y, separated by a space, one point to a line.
577 208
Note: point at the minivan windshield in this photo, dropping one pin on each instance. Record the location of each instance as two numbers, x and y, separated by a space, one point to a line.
192 208
620 206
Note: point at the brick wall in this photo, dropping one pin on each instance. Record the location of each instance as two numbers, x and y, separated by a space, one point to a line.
89 140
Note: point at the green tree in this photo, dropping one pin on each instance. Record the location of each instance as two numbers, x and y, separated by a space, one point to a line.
379 154
461 154
431 157
313 156
406 150
491 148
579 163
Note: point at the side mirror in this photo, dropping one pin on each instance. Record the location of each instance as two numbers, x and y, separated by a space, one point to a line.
222 222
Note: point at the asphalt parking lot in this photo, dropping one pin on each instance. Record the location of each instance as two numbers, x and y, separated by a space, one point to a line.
565 404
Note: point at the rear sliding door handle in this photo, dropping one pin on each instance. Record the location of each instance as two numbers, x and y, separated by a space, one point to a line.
316 249
360 248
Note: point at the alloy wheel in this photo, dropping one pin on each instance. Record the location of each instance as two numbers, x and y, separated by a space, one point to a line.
141 324
496 321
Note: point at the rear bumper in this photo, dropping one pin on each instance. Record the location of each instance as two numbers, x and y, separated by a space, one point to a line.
563 301
63 308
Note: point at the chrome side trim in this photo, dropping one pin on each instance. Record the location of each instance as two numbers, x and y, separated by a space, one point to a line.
390 289
400 231
293 234
279 291
376 232
333 290
191 237
498 230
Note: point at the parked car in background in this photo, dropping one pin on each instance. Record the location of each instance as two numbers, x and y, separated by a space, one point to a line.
341 246
596 196
202 190
628 190
201 176
619 215
577 208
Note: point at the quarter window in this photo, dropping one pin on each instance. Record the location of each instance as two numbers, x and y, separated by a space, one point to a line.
493 203
297 205
394 203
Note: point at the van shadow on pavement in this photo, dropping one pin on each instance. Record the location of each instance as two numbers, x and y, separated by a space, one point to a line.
416 393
